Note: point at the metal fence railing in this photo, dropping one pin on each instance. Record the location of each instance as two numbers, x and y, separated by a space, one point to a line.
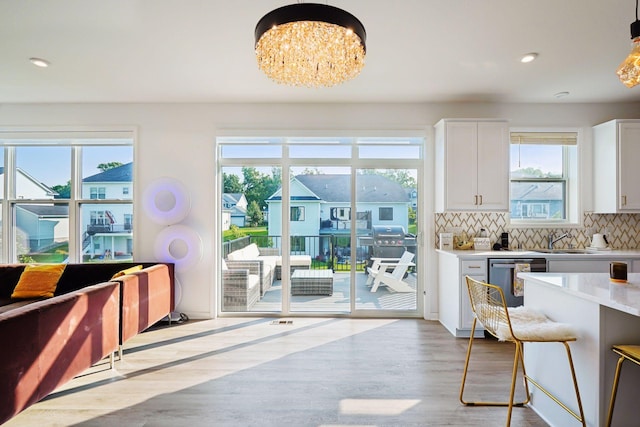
326 251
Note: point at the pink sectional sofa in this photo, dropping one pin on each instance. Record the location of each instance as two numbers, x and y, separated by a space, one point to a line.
90 316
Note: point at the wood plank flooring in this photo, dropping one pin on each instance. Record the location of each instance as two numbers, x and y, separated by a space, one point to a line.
313 372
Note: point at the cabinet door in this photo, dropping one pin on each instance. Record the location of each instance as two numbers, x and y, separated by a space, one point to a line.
493 166
461 165
477 270
628 172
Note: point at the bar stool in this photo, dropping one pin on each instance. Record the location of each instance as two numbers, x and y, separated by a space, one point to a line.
626 352
518 325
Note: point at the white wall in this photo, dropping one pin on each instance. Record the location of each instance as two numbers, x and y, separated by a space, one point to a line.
177 140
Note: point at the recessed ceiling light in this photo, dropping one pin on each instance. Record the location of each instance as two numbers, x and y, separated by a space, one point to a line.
561 94
39 62
528 57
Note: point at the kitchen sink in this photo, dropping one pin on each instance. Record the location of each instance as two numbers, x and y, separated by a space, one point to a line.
563 251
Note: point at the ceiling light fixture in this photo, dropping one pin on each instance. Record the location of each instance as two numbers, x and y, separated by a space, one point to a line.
310 44
529 57
629 70
39 62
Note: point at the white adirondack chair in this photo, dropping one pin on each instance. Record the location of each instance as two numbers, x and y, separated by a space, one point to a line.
379 273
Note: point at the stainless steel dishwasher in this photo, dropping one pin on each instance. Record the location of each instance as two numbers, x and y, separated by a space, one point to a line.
501 274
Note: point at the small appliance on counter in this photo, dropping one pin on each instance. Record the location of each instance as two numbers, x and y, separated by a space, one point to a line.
599 242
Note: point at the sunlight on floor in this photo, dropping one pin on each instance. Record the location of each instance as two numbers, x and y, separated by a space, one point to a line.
376 406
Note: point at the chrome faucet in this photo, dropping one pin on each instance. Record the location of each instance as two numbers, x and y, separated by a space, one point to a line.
553 239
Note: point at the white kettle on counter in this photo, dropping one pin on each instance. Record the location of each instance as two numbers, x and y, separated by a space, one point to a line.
598 241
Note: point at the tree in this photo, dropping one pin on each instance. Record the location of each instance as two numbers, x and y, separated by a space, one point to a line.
110 165
258 186
254 213
64 191
231 183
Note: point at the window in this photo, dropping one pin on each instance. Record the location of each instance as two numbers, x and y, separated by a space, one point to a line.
385 214
125 191
297 213
98 193
57 215
343 214
543 177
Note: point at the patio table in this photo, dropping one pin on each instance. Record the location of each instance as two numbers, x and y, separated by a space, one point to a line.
312 282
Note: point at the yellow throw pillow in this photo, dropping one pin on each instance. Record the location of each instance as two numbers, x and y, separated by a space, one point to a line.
127 271
38 281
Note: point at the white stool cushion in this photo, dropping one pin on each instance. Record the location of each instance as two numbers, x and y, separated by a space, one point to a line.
530 325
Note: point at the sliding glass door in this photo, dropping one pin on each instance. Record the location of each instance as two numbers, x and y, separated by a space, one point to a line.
302 220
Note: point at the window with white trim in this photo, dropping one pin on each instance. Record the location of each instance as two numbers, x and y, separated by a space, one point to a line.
543 178
56 215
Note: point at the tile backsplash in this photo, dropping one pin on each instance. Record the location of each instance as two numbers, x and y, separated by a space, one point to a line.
621 230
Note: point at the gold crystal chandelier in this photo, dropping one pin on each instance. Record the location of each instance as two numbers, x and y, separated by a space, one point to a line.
310 44
629 70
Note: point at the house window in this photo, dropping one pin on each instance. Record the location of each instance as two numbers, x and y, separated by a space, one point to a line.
297 213
342 214
47 200
98 218
98 193
385 214
543 178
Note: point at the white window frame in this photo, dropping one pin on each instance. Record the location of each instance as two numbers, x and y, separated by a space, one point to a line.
64 136
572 167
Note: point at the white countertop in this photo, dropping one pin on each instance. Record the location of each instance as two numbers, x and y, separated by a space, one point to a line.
596 254
594 287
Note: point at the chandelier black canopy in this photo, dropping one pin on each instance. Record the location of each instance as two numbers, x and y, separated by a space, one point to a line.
310 44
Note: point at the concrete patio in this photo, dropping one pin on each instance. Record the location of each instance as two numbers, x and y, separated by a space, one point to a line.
383 299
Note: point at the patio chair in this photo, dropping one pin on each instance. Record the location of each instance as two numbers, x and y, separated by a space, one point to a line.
379 274
518 325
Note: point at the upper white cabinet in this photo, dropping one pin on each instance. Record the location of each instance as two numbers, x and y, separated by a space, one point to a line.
472 165
616 176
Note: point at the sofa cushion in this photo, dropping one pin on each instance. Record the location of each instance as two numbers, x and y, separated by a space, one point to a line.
127 271
251 251
38 281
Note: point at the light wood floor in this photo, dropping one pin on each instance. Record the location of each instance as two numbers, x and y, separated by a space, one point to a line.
313 372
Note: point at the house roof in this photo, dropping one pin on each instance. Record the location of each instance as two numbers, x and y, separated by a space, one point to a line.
48 190
54 211
543 191
122 173
336 188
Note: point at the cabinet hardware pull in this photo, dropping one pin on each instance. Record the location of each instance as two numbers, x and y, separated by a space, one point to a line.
624 200
481 199
474 266
475 199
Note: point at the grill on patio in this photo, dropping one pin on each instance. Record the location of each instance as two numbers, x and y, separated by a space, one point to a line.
387 241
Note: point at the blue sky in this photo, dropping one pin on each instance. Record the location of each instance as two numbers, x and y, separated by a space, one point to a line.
52 165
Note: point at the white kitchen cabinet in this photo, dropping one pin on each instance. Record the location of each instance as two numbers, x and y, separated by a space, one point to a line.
472 165
454 307
616 155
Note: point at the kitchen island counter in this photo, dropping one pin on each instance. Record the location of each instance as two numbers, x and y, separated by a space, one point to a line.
603 313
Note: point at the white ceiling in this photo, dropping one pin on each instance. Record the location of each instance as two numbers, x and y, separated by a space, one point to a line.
417 51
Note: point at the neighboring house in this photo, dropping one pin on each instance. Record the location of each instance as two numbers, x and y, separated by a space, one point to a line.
536 200
320 205
108 227
28 187
40 226
237 205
